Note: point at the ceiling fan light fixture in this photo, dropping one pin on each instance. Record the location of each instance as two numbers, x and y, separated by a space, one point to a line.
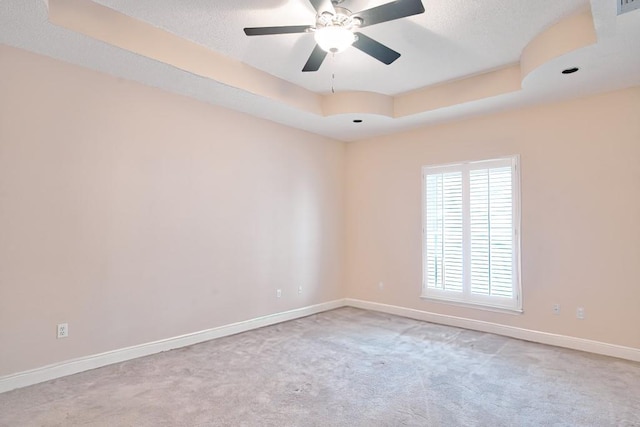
334 39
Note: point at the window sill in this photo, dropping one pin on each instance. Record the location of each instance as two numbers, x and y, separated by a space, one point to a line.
512 311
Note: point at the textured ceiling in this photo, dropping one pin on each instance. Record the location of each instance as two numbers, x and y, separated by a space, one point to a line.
453 40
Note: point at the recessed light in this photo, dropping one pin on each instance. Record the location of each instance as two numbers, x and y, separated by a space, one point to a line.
570 70
357 121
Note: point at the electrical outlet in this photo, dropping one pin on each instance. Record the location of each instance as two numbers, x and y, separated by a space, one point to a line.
556 309
63 330
278 293
580 313
299 290
380 286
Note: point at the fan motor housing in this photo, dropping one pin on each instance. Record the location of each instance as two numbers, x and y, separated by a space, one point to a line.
342 18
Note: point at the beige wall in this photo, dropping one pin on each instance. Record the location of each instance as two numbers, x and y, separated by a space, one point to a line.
137 215
580 164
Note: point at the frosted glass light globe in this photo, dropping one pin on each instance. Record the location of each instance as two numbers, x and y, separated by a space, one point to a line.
334 39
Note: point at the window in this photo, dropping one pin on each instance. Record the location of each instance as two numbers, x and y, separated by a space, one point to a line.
470 222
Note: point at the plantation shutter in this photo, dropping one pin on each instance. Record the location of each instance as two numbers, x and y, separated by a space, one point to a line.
469 233
444 256
491 231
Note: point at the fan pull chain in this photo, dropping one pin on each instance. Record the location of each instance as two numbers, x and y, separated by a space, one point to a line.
333 74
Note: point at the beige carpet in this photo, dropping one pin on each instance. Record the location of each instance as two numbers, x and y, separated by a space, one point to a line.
346 367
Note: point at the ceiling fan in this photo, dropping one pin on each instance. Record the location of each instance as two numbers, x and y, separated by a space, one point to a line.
336 29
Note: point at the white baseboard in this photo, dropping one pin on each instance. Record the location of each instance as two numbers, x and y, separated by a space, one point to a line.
69 367
574 343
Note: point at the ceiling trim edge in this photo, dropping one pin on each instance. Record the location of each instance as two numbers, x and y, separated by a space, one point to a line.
115 28
570 34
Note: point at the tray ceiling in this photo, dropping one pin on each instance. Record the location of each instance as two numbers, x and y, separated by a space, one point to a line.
459 58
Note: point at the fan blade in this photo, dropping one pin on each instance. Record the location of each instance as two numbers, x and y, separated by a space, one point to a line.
375 49
323 6
315 60
390 11
267 31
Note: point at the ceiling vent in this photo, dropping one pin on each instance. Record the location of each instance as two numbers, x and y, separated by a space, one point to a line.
625 6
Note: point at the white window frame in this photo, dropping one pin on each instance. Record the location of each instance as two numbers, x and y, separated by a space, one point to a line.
466 298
